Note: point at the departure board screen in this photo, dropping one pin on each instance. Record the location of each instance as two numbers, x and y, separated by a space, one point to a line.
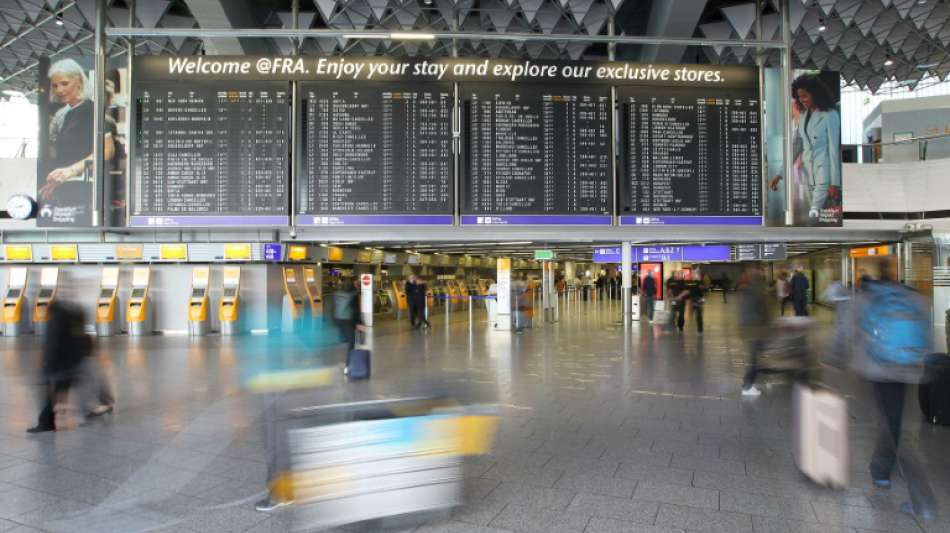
376 154
690 156
211 154
536 154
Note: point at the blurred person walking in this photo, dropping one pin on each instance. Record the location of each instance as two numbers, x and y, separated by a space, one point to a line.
893 339
724 284
65 347
755 318
412 286
649 295
346 311
783 291
697 299
420 295
799 292
676 294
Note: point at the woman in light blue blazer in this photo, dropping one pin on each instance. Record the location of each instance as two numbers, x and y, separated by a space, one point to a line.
819 139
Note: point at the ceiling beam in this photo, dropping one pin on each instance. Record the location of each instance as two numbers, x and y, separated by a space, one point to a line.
671 18
234 15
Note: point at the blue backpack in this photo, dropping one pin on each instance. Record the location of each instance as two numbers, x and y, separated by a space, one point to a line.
896 324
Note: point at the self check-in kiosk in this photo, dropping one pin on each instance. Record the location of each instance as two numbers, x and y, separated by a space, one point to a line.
49 282
198 317
15 315
107 305
228 307
312 288
137 309
292 310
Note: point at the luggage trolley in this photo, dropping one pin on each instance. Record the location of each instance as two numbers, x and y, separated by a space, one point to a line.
369 460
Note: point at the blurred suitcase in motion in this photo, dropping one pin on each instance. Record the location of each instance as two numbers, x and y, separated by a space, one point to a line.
821 424
934 393
662 317
358 363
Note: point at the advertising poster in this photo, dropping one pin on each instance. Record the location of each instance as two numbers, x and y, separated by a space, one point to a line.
65 170
815 183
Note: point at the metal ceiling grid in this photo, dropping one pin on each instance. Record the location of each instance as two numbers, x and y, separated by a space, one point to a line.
869 41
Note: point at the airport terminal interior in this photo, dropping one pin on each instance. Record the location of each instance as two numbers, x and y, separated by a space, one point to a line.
475 266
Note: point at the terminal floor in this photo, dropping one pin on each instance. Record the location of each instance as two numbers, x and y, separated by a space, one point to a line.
601 430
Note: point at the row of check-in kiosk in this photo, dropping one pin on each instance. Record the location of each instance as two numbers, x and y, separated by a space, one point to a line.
452 293
16 317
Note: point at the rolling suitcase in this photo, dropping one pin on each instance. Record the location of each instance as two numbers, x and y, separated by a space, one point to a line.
821 424
934 393
358 359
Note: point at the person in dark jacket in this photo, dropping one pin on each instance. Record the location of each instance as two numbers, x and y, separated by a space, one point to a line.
412 287
65 347
755 319
420 303
649 295
346 311
800 292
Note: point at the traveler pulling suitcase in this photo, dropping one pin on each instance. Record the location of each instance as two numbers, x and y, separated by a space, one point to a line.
934 393
358 359
821 447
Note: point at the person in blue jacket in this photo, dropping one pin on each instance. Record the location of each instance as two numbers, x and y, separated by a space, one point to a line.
819 141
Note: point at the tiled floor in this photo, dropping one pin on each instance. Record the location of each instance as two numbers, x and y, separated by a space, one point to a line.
602 430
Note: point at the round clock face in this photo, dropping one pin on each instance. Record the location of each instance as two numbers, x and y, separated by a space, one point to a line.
21 206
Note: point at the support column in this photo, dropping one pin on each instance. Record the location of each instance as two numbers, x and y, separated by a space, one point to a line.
100 213
787 112
626 270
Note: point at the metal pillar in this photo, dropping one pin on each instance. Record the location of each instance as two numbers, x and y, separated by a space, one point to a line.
99 216
626 270
786 111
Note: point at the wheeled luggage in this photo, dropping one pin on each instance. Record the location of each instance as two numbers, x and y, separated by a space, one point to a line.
821 425
358 363
934 393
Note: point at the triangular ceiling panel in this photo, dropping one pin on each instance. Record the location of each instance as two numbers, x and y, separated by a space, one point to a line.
847 9
530 8
326 8
548 17
741 17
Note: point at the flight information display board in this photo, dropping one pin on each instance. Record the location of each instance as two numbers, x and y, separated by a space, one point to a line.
690 156
536 154
376 154
211 154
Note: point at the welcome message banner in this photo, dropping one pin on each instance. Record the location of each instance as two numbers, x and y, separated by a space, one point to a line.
341 68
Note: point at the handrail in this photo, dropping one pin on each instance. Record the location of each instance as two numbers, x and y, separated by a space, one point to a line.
903 141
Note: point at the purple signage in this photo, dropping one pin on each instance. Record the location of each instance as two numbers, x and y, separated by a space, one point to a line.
501 220
273 251
208 221
711 220
374 220
657 254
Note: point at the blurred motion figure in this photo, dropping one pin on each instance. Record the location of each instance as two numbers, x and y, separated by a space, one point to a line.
64 348
754 321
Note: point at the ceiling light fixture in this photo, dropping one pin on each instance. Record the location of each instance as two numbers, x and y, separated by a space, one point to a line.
403 36
888 62
59 20
821 25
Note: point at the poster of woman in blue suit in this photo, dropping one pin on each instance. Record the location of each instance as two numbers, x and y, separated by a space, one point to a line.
816 150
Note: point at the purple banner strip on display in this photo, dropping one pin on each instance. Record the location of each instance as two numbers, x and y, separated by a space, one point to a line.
374 220
202 221
567 220
708 220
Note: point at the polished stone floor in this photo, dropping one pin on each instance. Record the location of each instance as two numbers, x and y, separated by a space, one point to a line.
602 430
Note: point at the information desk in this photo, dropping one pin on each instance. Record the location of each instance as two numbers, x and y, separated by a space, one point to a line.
211 154
376 154
536 154
690 156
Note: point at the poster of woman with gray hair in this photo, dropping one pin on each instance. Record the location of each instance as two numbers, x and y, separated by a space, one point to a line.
65 165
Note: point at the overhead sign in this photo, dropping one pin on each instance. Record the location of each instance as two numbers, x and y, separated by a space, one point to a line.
129 252
173 252
658 254
544 255
297 253
870 251
18 252
63 252
362 69
761 252
237 252
273 251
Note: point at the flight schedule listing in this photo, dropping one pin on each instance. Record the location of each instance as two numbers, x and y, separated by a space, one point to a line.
212 153
376 153
536 154
690 153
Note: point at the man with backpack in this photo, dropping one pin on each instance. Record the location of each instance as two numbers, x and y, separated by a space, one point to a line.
894 337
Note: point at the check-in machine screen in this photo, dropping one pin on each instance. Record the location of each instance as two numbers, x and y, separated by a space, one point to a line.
105 293
46 293
197 293
13 293
138 293
230 292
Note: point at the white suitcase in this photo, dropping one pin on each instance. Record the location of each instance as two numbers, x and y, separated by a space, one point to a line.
821 424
